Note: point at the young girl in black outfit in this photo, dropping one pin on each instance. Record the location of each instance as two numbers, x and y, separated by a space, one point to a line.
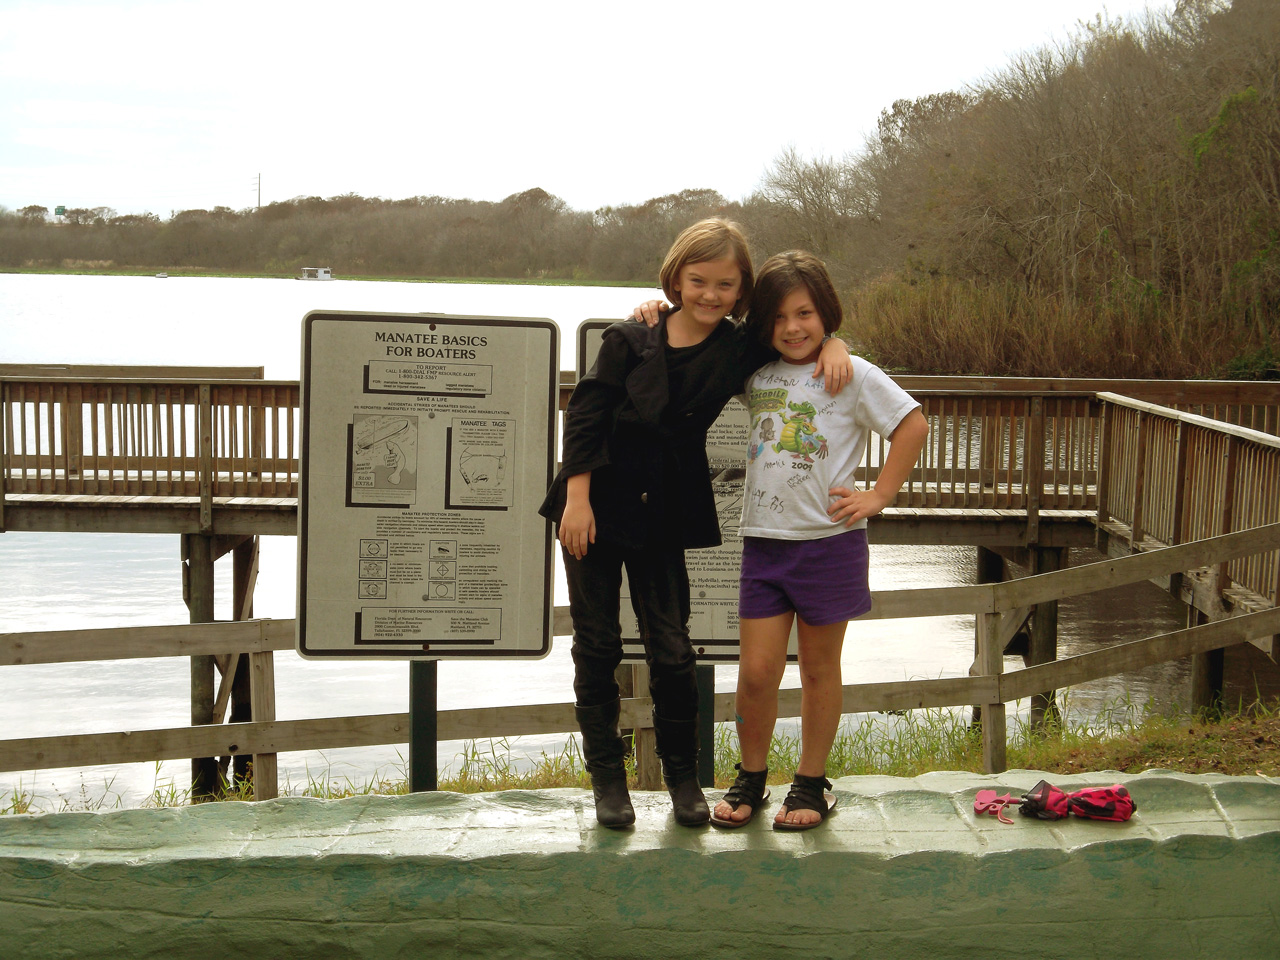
634 491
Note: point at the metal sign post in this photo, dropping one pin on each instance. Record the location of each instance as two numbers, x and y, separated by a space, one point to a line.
424 676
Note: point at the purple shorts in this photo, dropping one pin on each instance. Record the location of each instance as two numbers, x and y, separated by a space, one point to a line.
823 581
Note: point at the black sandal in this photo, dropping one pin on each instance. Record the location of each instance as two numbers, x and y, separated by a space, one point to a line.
748 788
807 793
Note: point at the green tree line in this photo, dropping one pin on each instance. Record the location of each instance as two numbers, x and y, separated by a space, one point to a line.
1109 205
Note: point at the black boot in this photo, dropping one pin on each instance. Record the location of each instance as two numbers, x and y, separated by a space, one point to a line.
677 743
605 753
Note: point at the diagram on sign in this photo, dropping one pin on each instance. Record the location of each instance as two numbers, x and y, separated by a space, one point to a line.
373 571
384 459
483 466
480 453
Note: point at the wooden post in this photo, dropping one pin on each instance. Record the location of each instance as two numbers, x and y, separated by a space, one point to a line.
1180 484
648 768
197 554
990 570
206 462
987 458
72 431
1140 480
1179 510
257 436
244 560
1043 645
5 429
622 676
262 687
1105 454
1227 511
991 663
1206 671
1207 668
1033 468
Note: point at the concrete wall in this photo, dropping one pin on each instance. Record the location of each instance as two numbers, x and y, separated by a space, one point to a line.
902 869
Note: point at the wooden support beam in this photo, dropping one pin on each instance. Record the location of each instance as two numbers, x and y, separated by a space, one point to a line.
1106 574
205 437
227 543
133 643
1042 646
262 683
1033 458
648 766
228 665
991 664
1227 507
1140 480
991 570
199 586
1207 667
1136 654
1009 624
1105 470
244 580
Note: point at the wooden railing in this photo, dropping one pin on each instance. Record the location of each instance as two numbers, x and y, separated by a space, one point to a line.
239 439
1171 477
982 452
125 437
1185 494
207 438
999 609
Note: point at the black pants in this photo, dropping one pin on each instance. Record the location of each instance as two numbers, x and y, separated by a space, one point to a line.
660 597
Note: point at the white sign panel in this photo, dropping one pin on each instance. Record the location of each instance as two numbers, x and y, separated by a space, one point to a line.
428 444
713 571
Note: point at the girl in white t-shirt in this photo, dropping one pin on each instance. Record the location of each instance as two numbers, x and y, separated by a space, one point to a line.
804 555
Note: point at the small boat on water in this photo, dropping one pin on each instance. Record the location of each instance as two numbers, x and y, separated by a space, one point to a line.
316 273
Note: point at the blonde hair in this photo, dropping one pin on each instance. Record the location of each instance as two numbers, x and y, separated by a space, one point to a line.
712 239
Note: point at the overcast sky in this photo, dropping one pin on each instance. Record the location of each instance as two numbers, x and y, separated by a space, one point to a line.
170 106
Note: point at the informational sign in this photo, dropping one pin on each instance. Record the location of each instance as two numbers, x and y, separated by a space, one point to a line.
713 571
428 443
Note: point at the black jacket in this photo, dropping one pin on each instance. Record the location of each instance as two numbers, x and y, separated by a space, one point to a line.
650 480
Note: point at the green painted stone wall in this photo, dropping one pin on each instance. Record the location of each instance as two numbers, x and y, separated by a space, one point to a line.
902 869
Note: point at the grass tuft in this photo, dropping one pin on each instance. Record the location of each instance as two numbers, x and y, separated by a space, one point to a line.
1123 736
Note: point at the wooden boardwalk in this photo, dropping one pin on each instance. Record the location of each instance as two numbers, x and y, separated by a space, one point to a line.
1182 477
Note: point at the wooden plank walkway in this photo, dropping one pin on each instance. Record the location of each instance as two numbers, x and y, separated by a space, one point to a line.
1022 468
277 516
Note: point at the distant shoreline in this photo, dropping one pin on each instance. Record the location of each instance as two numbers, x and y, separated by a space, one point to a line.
175 272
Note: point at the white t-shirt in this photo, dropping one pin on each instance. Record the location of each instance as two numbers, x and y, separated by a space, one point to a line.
804 441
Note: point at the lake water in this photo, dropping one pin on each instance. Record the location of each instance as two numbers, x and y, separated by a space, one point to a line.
64 581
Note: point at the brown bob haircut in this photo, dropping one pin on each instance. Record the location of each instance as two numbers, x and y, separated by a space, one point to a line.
712 239
782 274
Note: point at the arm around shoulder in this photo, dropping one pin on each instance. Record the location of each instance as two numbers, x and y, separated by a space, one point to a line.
835 363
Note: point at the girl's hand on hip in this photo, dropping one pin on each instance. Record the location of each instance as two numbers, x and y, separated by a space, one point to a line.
854 505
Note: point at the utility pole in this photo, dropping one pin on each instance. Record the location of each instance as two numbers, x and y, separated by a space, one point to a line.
258 181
